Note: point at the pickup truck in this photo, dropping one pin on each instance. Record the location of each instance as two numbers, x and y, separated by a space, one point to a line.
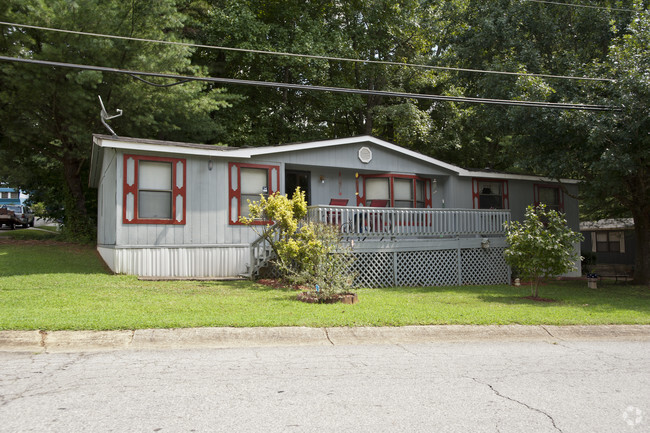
13 215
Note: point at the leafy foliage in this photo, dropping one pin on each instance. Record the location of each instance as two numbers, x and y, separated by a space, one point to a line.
541 246
47 115
307 254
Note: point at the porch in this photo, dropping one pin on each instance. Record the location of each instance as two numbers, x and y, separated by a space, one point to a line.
382 222
418 247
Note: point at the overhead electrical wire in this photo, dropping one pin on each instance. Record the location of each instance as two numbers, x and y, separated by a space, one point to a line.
538 104
582 6
307 56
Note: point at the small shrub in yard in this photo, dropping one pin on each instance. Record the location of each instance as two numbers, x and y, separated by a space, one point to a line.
541 246
307 254
321 261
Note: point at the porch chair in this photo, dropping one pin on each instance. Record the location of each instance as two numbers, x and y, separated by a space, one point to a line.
336 216
377 221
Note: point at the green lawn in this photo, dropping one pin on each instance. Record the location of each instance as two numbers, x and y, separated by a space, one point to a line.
49 285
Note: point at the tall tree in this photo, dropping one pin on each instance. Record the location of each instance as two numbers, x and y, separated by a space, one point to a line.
365 30
608 151
615 161
48 114
525 37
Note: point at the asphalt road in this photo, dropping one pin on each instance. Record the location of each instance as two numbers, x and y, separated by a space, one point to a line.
495 386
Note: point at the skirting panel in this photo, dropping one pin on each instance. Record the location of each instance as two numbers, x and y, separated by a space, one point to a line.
209 262
435 267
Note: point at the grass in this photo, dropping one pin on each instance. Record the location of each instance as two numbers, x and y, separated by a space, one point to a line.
44 232
50 285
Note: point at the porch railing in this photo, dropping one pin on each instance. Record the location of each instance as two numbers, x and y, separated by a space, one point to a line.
409 222
260 254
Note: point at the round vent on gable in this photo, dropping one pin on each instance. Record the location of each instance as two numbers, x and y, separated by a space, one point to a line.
365 155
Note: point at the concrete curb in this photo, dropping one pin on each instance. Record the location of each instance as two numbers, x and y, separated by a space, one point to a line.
148 339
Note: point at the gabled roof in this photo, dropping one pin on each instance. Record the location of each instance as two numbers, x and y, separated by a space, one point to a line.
214 151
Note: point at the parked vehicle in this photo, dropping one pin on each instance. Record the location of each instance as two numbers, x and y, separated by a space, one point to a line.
12 215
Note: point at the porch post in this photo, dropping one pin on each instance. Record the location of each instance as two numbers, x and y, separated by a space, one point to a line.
459 262
394 268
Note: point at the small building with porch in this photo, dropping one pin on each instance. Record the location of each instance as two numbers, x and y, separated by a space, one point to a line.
612 243
171 209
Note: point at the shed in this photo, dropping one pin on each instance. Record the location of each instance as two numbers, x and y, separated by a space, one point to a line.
613 243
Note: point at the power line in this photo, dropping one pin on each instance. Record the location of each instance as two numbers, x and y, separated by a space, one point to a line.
538 104
307 56
583 6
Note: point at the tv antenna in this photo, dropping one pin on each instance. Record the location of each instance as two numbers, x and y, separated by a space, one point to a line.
104 116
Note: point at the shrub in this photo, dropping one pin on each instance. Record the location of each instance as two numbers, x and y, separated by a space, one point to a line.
306 254
541 246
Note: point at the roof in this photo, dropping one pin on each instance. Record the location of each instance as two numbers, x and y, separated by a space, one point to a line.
607 224
214 151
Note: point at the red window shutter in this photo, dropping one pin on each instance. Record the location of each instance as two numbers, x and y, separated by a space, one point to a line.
234 187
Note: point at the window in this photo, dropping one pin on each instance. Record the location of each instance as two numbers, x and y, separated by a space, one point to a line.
403 191
608 242
154 190
248 182
15 194
394 190
377 191
551 196
5 195
490 194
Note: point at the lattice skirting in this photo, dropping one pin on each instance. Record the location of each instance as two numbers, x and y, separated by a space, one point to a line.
431 267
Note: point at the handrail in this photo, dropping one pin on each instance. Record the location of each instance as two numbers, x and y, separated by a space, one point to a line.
410 222
260 253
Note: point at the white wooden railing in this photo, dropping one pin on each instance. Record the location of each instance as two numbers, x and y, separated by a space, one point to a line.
409 222
260 254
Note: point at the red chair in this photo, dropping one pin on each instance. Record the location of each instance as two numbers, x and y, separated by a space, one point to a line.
336 216
377 221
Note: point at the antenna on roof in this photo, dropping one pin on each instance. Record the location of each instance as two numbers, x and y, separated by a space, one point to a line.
104 116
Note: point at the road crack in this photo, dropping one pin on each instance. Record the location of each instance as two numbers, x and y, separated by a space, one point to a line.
327 334
534 409
43 336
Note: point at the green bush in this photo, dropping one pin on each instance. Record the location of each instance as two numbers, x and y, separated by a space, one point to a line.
306 254
541 246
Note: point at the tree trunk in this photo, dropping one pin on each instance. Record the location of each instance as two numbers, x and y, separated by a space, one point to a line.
77 222
71 168
642 258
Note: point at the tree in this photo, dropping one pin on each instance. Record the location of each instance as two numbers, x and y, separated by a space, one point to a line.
47 114
525 37
541 246
370 30
617 164
610 151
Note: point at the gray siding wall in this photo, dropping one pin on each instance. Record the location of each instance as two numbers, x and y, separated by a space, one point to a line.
106 217
323 192
206 207
383 160
207 194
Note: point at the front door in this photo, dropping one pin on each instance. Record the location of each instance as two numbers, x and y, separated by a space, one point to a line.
294 179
